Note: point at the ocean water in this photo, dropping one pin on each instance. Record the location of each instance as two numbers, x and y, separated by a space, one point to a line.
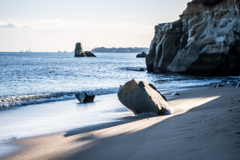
30 78
37 91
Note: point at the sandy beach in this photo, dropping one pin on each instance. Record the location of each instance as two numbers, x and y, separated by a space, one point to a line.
205 125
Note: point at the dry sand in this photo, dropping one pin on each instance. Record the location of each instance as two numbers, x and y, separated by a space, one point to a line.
206 125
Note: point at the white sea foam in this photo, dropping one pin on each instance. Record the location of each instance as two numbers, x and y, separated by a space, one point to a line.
44 98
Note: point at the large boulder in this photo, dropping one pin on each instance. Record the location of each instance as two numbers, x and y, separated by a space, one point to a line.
80 53
140 98
205 40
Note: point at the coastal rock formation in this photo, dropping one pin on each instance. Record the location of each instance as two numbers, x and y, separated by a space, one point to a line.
143 54
205 40
79 51
84 97
139 97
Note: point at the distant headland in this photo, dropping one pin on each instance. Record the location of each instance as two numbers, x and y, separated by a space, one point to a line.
120 50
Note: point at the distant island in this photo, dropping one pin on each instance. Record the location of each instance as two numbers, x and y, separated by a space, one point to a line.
120 50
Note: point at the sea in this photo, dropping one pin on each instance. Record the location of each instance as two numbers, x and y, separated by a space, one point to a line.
37 90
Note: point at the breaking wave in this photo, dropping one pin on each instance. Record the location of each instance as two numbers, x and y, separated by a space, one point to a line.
12 101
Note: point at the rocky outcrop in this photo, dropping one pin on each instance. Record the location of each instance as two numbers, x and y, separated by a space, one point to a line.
140 98
79 51
141 55
205 40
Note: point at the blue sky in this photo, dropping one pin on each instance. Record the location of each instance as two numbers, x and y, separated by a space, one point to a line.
52 25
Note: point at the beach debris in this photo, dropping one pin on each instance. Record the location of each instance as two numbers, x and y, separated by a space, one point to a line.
153 87
79 51
219 85
84 97
175 94
140 98
141 55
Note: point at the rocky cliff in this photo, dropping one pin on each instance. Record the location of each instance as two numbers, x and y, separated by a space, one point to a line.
205 40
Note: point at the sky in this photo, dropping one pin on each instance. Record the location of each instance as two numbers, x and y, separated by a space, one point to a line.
56 25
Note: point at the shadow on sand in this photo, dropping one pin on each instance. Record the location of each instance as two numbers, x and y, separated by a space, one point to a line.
204 132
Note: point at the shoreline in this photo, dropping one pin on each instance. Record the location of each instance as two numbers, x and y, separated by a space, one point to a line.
205 124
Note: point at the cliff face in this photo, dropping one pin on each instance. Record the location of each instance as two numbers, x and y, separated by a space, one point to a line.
205 40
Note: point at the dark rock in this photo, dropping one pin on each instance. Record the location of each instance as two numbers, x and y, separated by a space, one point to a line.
219 85
140 98
79 51
88 54
142 55
205 40
135 69
153 87
175 94
84 97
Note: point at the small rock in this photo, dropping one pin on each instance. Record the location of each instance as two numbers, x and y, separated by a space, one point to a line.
175 94
135 69
84 97
219 85
142 55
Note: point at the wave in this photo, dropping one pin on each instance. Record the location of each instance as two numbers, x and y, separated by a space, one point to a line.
165 83
12 101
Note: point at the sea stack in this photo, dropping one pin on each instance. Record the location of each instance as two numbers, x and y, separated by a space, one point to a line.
205 40
79 51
